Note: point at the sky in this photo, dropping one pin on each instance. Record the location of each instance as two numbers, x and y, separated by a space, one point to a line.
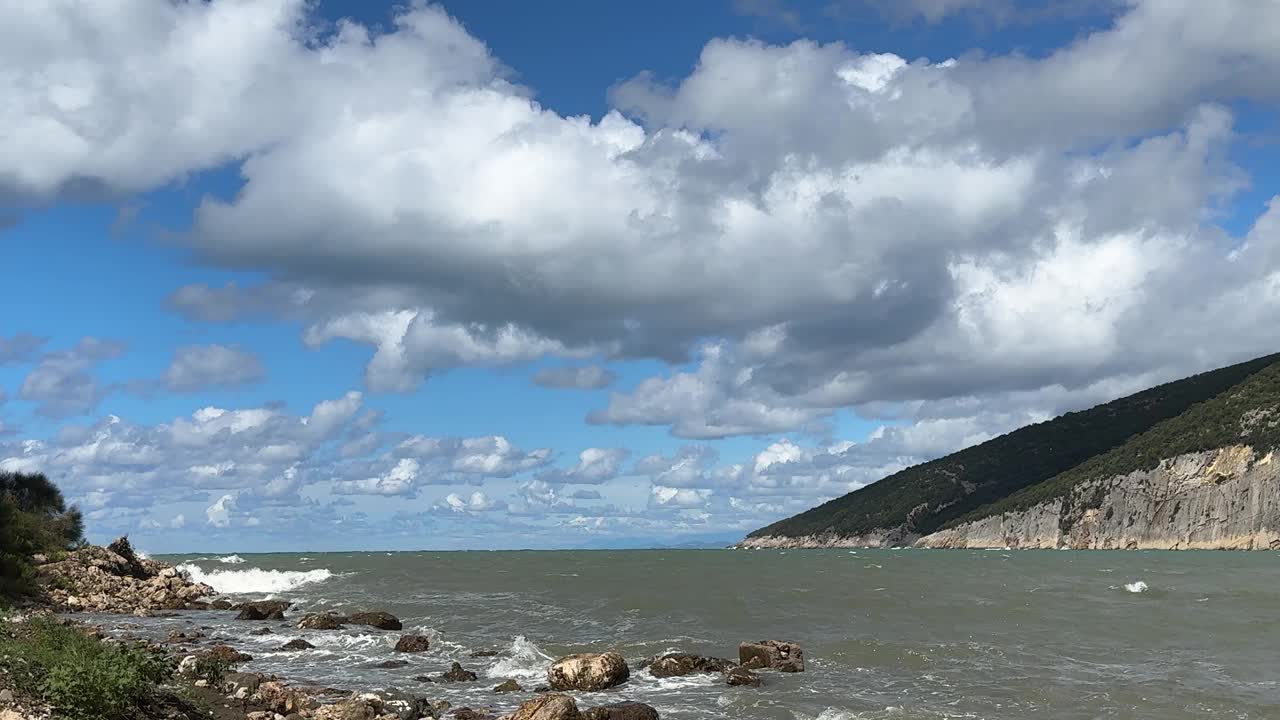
336 275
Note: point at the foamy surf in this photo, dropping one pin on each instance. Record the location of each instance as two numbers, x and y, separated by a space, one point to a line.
1136 587
231 560
254 580
522 659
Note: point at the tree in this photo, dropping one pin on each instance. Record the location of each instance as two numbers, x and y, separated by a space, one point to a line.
34 518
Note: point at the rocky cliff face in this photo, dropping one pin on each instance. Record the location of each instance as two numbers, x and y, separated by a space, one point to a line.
1225 499
896 537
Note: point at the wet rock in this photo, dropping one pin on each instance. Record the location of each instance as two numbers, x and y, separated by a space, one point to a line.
297 644
220 604
226 654
457 674
588 671
322 621
740 676
466 713
263 610
681 664
377 619
771 654
413 644
509 686
547 707
423 678
621 711
263 631
180 637
390 664
484 653
405 706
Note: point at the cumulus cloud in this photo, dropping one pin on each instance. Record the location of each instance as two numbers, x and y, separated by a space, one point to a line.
586 377
478 502
200 367
594 466
61 383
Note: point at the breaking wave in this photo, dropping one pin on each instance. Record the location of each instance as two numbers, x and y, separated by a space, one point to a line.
1136 587
231 560
254 581
522 659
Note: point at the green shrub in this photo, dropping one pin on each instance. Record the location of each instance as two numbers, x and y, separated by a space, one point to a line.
34 518
81 676
212 668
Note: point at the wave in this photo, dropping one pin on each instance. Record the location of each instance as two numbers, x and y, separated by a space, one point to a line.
254 580
231 560
523 659
1136 587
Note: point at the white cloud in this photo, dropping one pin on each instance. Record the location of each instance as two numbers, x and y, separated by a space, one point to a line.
594 466
61 384
219 513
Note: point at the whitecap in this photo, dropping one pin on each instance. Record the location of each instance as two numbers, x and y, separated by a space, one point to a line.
522 659
254 580
1136 587
231 560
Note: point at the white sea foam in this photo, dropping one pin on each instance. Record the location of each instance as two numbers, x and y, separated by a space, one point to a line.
1136 587
231 560
254 580
522 659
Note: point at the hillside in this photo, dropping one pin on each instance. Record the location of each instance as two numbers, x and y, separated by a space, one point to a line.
1043 461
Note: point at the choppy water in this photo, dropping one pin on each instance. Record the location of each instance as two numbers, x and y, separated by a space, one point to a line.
887 633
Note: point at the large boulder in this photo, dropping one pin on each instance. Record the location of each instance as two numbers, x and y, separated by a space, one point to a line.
547 707
680 664
321 621
508 686
377 619
297 644
588 671
772 655
263 610
413 644
226 654
622 711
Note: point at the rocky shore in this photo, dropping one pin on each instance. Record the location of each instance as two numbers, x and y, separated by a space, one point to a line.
206 684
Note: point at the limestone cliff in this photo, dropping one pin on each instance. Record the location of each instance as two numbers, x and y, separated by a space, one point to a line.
1224 499
888 538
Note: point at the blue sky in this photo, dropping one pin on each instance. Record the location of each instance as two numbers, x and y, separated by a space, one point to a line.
360 275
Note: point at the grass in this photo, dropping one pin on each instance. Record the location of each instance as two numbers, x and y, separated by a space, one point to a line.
81 676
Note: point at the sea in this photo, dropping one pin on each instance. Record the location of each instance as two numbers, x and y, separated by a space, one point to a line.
887 634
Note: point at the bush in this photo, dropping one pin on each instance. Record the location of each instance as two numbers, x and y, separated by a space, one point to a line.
34 518
82 677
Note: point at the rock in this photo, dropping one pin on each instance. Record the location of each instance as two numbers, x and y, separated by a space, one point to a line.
115 580
467 713
10 715
423 678
6 696
413 644
242 681
227 654
353 709
378 619
220 604
390 664
201 683
621 711
457 674
280 699
588 671
740 676
263 610
547 707
297 644
179 637
263 631
484 653
321 621
404 705
681 664
509 686
771 654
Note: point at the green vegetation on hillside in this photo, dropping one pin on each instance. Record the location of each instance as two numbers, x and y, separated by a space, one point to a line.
1248 413
923 498
34 519
82 677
